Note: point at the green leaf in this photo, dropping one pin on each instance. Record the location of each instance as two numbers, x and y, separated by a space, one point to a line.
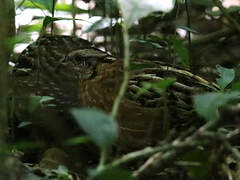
45 3
158 39
31 28
29 4
154 44
21 38
137 66
24 124
58 7
38 101
101 127
100 24
236 86
161 86
28 145
47 20
77 140
144 89
207 104
62 173
188 29
133 10
68 8
201 158
45 99
31 176
226 76
111 173
34 102
181 51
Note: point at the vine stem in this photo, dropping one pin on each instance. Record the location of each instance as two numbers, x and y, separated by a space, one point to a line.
126 62
189 33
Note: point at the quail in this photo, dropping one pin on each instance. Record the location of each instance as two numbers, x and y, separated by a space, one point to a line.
76 73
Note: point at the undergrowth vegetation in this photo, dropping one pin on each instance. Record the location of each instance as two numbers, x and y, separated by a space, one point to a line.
197 37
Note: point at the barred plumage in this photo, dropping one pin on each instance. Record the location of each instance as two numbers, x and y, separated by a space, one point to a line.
73 71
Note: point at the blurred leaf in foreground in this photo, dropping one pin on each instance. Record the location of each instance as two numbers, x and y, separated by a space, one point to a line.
207 104
111 173
101 127
226 76
133 10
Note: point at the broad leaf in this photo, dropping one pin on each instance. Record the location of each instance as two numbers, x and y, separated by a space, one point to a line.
100 24
144 89
133 10
39 101
47 20
31 28
45 3
226 76
181 51
58 7
207 104
101 127
20 38
161 86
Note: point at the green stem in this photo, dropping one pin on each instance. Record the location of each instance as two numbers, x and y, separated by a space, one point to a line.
125 72
102 159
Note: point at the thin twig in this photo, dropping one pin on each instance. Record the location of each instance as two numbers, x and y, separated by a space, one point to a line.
188 32
211 37
53 8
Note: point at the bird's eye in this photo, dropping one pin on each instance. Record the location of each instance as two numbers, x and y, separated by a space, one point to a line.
78 58
83 63
232 166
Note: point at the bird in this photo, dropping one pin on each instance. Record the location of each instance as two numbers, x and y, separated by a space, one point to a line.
76 73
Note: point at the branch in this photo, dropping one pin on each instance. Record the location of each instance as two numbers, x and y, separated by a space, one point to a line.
205 39
233 22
